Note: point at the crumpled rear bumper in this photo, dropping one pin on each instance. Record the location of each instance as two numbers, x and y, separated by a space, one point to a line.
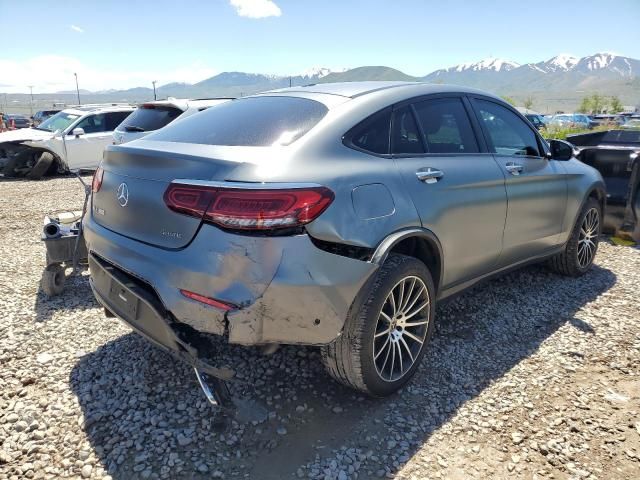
287 290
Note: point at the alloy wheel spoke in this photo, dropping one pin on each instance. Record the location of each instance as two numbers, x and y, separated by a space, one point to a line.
386 317
403 306
417 310
383 332
400 357
406 346
412 336
382 349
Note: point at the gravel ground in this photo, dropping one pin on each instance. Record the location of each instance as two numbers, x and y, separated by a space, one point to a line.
529 376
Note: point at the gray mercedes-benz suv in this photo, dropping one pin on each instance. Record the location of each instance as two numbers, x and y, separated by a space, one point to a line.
333 215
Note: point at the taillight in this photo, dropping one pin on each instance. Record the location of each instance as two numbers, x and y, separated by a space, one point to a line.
249 209
96 183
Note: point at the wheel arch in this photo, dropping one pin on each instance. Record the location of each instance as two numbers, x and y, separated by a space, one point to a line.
419 243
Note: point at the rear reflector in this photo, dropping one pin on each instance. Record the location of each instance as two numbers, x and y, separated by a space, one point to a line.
212 302
249 209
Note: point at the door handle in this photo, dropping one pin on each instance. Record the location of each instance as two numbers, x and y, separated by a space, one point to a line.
429 175
513 168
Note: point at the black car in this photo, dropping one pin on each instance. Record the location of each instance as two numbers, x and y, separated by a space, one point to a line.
42 115
14 121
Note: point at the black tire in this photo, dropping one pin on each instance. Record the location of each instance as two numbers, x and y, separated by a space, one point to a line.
42 166
568 262
53 279
350 359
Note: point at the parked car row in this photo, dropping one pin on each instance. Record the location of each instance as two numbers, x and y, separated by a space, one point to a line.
75 138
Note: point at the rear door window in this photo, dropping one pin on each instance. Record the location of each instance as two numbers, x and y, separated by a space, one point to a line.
405 138
254 121
446 126
508 133
147 118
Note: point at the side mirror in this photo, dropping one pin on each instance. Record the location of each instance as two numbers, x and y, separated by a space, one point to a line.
78 131
561 150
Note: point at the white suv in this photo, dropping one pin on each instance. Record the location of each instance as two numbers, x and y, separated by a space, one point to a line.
152 116
70 140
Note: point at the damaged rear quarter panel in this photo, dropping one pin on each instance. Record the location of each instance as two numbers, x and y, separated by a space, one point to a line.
307 300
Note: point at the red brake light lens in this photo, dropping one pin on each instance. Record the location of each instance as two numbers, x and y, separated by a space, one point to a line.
96 183
249 209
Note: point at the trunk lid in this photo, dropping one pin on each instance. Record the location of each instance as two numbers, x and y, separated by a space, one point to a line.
136 175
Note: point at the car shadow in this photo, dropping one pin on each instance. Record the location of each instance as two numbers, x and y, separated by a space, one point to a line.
145 415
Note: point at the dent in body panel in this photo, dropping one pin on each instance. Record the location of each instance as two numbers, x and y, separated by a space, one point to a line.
306 302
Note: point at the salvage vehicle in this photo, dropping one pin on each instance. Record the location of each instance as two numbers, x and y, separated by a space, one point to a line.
151 116
615 154
72 139
333 215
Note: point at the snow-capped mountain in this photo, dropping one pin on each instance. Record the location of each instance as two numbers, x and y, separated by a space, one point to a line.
487 65
320 72
559 63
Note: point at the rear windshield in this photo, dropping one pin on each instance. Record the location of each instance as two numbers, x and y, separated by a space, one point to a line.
253 121
150 117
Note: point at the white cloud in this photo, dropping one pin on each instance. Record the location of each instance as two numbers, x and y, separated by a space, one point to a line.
76 28
52 73
256 8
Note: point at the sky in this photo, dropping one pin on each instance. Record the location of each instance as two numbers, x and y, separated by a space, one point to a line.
116 44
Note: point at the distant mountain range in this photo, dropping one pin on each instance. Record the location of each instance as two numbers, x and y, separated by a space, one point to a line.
557 83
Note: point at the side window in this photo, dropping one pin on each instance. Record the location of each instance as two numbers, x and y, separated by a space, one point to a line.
114 119
93 124
372 134
446 126
405 138
507 132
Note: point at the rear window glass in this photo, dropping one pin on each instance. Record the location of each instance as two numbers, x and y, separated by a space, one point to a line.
254 121
146 119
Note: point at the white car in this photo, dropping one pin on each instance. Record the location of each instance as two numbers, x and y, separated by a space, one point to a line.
152 116
72 139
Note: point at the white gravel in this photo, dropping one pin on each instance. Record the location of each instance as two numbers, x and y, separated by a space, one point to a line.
529 376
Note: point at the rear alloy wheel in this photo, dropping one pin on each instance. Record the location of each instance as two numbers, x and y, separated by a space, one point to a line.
387 329
402 328
581 248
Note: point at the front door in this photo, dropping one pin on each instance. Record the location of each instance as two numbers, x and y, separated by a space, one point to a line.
458 191
536 185
85 151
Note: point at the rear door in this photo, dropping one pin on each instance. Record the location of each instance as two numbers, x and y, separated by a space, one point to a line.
536 186
456 186
85 151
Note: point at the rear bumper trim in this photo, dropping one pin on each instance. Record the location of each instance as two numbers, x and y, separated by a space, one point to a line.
140 308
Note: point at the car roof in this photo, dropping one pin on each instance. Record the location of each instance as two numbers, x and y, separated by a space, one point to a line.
357 89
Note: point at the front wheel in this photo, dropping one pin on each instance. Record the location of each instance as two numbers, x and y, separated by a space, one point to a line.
581 248
386 333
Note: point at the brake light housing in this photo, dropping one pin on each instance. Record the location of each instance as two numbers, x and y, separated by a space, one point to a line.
96 182
249 208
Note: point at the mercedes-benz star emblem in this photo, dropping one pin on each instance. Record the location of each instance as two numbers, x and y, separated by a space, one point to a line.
123 195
